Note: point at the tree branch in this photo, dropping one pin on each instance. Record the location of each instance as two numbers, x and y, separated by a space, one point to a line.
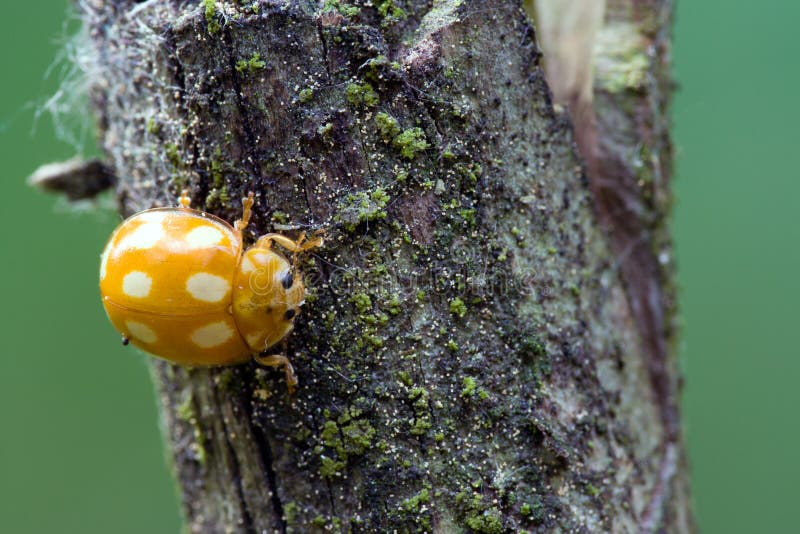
467 357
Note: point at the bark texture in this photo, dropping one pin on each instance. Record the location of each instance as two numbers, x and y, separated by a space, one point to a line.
468 357
608 61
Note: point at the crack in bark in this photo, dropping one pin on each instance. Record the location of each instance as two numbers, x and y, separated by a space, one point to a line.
321 35
266 460
271 476
247 518
180 79
249 140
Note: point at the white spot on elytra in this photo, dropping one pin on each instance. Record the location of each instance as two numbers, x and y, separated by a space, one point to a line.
104 262
204 236
260 257
247 265
145 236
136 284
212 335
254 339
254 261
141 332
156 217
207 287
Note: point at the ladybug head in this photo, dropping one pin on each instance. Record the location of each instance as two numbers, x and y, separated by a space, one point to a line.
267 296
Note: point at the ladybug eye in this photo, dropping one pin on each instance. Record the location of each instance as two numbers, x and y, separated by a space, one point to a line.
289 315
288 280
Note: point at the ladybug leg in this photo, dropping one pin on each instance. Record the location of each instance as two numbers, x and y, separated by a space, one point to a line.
302 244
305 243
279 360
247 208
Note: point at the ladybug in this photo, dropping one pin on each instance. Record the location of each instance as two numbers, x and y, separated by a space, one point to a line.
177 283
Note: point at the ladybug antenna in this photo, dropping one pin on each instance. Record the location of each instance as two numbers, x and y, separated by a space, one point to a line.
247 208
184 200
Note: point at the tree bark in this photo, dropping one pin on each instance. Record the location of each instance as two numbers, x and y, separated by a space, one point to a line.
471 356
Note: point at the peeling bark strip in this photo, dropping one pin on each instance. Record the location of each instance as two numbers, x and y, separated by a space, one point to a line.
618 103
630 158
467 358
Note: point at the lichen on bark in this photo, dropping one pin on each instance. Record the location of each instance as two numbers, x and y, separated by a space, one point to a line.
467 358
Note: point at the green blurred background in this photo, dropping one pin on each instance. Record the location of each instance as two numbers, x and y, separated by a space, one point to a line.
80 449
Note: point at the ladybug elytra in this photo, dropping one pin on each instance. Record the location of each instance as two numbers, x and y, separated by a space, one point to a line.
179 284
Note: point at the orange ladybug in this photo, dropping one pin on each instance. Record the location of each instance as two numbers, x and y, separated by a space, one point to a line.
177 283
